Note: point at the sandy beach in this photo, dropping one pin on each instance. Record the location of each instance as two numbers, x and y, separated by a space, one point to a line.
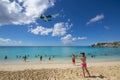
108 70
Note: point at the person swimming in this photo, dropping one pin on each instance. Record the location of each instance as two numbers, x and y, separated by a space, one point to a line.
83 64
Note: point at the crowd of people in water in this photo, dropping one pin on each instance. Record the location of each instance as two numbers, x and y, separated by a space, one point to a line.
25 57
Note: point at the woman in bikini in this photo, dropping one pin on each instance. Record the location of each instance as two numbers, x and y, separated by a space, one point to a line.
83 64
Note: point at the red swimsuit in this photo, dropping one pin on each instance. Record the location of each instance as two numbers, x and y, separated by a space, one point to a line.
73 60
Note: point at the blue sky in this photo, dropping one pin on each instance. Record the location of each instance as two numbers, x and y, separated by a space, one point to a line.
80 22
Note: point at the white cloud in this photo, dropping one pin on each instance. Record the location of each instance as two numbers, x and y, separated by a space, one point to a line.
68 39
40 30
8 41
82 38
20 1
60 29
14 13
95 19
5 40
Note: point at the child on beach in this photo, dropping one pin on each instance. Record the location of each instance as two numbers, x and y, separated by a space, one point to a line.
73 59
84 65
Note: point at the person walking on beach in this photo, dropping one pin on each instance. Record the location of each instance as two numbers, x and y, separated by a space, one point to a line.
83 64
73 59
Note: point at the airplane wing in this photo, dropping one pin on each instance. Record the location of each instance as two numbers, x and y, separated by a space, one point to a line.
49 16
44 18
55 15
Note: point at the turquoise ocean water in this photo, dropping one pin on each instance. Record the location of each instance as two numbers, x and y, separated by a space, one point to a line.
57 53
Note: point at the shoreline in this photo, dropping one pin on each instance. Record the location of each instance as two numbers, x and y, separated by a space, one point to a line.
18 66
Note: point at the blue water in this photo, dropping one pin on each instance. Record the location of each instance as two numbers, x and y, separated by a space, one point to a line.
57 53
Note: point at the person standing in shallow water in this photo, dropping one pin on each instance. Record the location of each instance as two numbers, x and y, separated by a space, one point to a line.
25 58
40 58
73 59
5 58
83 64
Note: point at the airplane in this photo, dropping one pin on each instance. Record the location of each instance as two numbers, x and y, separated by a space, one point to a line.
46 17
